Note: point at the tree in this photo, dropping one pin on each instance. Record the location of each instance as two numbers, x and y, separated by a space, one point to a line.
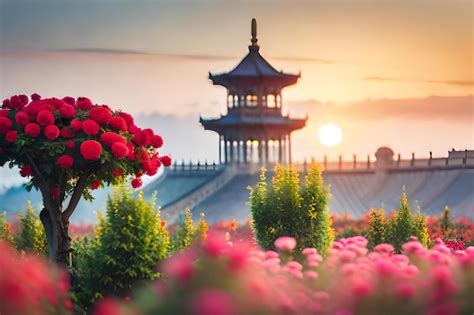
30 236
446 222
67 147
376 232
284 208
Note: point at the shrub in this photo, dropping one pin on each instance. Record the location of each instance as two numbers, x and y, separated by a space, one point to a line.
376 230
5 229
186 232
128 244
403 225
30 235
446 222
285 208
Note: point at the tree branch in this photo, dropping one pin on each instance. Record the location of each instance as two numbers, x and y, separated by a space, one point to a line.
76 196
37 172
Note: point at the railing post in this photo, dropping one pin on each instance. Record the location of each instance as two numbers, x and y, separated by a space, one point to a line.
205 165
447 161
175 166
214 165
305 166
182 165
190 165
399 159
368 161
354 161
325 162
340 162
413 159
198 166
431 158
464 161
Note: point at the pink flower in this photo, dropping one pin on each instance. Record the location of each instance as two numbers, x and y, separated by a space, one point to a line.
179 267
361 288
405 290
384 248
285 243
212 301
309 251
271 254
214 245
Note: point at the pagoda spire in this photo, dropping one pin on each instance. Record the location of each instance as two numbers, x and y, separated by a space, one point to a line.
254 39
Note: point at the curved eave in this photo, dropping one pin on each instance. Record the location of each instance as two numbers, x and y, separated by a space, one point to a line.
219 124
228 80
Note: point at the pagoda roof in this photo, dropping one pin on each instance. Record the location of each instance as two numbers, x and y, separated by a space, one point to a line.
248 121
254 69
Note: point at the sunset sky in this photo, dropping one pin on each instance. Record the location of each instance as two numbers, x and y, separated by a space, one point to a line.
395 73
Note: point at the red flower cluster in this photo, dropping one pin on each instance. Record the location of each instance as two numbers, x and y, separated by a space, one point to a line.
103 136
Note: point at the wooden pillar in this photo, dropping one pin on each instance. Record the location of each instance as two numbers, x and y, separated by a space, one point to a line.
245 151
220 149
266 150
260 151
238 152
226 152
289 148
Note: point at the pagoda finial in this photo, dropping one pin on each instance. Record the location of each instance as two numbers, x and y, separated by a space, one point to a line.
254 39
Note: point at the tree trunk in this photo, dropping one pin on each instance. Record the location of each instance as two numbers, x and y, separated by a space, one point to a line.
56 235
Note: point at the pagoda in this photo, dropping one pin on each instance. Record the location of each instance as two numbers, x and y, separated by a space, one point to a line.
254 130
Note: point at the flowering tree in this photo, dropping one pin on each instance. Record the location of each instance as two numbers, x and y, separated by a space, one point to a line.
68 147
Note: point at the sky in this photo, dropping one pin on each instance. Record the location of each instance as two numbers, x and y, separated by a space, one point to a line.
389 73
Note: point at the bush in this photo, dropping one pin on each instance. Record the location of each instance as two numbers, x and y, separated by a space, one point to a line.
376 230
403 225
128 244
31 236
186 233
5 229
285 208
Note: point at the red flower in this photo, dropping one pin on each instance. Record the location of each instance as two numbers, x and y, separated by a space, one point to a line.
91 150
26 171
55 192
4 112
35 97
165 160
45 117
117 172
118 123
128 118
133 129
76 124
131 151
67 133
137 182
67 110
5 124
11 136
69 100
17 102
101 115
33 130
107 307
90 127
65 161
22 118
119 150
70 144
95 184
51 132
157 141
142 138
109 138
84 103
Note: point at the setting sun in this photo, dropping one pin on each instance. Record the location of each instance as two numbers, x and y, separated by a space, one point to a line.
330 135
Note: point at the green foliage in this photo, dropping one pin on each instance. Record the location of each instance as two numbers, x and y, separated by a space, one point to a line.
405 224
446 221
5 229
31 236
128 245
131 243
284 208
376 231
186 232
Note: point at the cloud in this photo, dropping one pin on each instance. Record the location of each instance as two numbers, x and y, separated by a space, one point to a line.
448 82
458 108
136 53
